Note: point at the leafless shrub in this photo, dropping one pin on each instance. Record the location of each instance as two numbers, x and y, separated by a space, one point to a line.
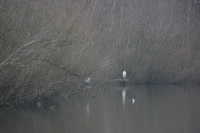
52 45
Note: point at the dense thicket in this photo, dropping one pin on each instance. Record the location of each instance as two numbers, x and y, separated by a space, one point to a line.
49 45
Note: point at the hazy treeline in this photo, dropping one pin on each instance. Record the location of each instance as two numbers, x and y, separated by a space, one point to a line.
50 45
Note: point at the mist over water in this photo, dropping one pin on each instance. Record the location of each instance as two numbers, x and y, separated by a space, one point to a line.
157 109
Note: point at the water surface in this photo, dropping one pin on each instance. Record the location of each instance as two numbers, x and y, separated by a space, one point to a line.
157 109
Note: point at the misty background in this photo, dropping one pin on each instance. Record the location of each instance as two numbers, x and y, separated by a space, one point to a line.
47 46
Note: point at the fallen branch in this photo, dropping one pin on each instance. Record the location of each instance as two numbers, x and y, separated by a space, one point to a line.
120 80
73 93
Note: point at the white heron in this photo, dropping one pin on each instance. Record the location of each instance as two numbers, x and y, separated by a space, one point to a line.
124 74
87 81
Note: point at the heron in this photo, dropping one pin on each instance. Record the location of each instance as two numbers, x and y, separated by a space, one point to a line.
124 74
87 81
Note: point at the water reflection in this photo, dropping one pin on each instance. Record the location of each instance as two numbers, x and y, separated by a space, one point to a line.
87 110
123 98
159 109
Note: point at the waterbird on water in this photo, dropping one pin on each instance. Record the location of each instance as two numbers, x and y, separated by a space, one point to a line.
87 81
132 101
124 74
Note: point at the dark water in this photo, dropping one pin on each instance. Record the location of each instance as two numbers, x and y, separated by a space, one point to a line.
157 109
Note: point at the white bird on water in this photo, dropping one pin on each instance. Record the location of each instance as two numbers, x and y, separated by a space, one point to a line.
87 81
124 74
132 101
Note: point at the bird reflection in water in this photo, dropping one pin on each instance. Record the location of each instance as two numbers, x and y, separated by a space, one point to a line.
87 110
123 98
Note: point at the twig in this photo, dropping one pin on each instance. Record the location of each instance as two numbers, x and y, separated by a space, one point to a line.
68 72
23 46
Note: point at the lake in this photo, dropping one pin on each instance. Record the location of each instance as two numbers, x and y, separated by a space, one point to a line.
157 109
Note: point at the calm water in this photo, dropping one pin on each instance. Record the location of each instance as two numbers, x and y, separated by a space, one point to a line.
157 109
